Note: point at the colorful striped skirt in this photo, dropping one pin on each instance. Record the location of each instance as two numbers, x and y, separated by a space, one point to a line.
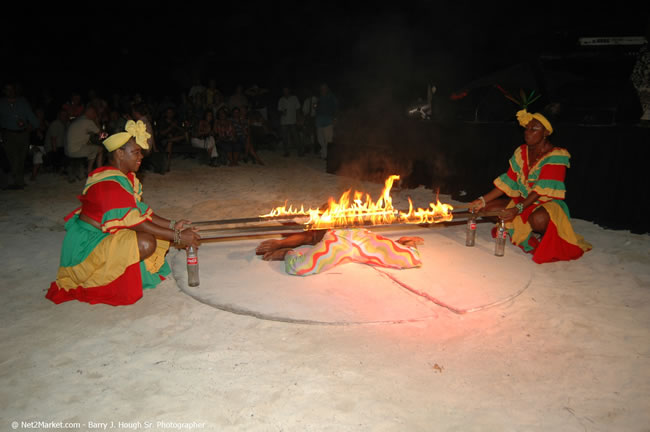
350 245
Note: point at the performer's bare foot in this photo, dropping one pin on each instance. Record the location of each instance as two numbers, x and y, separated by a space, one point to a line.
411 241
276 255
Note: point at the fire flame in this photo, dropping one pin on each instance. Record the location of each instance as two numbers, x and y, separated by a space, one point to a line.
359 209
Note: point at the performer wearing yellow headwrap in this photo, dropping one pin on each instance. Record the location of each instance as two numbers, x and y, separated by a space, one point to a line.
115 245
537 218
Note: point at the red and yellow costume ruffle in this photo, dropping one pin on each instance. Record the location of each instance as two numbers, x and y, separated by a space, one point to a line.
103 265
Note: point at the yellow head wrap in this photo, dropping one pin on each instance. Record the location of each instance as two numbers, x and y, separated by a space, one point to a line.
133 129
525 117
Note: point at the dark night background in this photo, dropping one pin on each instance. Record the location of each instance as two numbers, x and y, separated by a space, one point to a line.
378 60
361 49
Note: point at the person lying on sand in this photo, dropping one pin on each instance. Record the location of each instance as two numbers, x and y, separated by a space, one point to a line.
337 246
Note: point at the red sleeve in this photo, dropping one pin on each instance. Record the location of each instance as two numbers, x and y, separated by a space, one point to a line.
553 172
105 196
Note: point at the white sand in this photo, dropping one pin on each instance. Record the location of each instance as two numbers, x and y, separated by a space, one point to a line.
571 353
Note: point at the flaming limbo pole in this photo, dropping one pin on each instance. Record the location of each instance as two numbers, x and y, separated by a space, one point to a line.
244 229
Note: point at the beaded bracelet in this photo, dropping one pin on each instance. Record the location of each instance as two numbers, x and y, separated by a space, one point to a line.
172 224
520 207
177 237
482 200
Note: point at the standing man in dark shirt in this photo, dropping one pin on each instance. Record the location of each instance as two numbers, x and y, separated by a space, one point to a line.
16 119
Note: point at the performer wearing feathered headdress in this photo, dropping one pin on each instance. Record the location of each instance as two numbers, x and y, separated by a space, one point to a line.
537 218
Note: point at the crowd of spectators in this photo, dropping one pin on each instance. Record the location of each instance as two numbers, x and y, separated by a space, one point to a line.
202 122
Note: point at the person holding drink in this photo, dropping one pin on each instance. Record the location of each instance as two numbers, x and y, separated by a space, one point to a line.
536 217
115 245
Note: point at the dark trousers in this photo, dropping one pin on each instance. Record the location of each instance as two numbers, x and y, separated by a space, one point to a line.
55 160
76 168
309 135
16 145
291 138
